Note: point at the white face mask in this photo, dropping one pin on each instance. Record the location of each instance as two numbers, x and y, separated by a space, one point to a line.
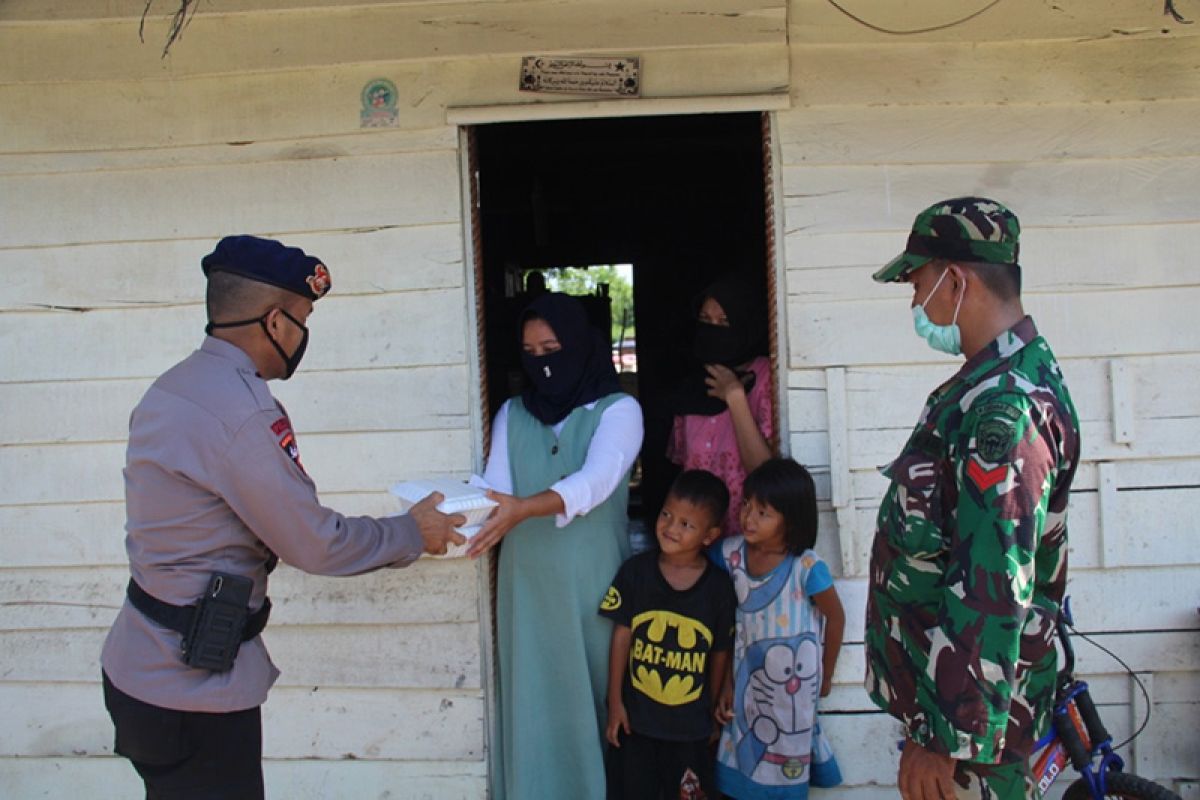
943 338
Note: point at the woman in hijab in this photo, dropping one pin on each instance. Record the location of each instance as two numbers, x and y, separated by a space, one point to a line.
724 418
559 468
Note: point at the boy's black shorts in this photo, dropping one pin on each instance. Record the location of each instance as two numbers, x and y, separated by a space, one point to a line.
188 755
656 769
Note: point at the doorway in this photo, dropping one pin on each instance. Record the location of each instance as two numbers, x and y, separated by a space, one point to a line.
675 202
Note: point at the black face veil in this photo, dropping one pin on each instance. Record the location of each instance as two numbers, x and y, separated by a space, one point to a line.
732 346
582 371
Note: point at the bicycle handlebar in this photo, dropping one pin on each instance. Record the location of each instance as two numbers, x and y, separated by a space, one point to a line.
1064 637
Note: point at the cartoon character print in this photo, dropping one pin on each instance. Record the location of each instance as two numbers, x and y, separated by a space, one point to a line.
689 787
778 681
755 598
668 656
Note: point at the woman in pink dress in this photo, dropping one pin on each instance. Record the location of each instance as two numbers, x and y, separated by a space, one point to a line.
724 420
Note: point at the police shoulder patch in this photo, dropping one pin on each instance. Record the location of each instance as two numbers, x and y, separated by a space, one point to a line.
282 428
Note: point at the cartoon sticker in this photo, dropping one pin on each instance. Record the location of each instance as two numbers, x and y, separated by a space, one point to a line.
379 104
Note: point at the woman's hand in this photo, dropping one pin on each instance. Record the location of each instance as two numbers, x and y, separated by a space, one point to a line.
512 511
509 512
723 382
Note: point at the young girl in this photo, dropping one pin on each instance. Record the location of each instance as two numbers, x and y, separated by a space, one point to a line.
723 413
771 745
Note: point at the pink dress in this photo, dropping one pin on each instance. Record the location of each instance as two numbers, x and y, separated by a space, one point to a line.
700 442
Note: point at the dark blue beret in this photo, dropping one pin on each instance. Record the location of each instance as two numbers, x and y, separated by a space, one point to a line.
269 261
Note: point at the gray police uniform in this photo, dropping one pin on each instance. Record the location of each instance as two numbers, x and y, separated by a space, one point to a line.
213 483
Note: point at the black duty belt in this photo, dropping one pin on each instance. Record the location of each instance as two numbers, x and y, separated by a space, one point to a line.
180 618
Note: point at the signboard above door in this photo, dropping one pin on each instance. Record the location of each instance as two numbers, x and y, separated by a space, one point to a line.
590 75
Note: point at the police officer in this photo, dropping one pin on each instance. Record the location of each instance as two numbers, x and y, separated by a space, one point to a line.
969 561
215 493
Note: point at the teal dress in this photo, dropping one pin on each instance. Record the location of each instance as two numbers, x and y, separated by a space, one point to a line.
553 644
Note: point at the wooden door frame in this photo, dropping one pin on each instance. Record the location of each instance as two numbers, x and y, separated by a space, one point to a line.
480 422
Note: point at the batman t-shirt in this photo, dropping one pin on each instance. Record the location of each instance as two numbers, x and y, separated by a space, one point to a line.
667 689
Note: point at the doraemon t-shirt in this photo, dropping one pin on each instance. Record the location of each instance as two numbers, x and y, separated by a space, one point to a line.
667 691
773 748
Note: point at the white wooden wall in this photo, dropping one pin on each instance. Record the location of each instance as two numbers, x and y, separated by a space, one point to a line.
119 169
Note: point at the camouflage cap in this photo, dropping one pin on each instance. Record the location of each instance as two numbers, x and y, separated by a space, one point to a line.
960 229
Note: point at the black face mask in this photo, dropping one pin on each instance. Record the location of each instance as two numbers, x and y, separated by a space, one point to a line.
718 344
290 362
554 374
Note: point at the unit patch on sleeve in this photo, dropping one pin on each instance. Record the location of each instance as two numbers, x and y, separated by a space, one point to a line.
996 430
994 438
282 428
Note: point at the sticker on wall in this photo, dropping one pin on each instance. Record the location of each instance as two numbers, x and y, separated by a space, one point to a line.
611 77
379 104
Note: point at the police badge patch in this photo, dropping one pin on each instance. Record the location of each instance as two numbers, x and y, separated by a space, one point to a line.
282 428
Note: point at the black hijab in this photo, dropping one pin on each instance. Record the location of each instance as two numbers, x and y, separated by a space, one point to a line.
582 371
730 346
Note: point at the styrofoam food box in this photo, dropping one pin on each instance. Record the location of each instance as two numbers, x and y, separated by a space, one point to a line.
460 498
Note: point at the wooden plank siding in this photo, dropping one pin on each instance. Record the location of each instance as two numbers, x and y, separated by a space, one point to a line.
119 169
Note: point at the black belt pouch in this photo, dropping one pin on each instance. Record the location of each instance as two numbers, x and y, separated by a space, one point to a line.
217 626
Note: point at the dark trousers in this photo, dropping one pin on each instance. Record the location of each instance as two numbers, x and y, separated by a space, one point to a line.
654 769
188 755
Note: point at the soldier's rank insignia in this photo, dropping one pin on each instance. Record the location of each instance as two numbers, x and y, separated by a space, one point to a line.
986 478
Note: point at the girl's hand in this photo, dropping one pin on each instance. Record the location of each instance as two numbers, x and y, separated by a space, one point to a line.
722 382
618 720
826 685
723 711
505 516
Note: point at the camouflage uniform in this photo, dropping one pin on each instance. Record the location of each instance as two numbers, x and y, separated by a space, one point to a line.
968 566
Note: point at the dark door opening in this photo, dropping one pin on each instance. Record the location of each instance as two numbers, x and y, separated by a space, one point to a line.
681 199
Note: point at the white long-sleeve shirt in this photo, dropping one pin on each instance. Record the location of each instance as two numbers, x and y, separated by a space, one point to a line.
611 453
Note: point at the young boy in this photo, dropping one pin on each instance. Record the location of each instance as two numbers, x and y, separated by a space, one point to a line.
674 613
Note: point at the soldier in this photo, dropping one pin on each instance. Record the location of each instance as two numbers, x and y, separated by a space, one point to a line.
215 494
969 561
